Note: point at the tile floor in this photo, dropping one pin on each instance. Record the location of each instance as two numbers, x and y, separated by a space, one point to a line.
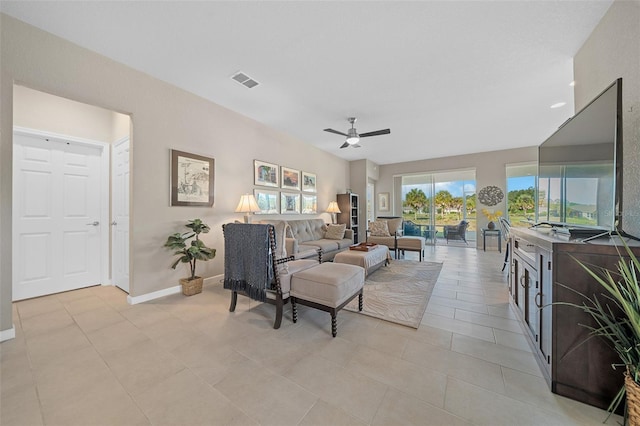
87 358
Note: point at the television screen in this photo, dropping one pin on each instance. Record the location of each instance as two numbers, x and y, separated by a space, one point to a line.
579 166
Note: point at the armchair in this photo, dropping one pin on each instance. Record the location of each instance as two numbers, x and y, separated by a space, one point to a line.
456 232
386 236
252 267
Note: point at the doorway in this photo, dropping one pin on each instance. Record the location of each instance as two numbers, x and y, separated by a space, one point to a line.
62 181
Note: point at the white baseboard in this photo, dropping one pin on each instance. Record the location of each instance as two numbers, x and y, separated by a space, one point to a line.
153 295
216 279
8 334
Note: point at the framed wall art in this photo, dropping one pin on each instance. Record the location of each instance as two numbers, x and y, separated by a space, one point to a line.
309 204
265 174
289 203
290 178
383 202
192 179
268 201
308 182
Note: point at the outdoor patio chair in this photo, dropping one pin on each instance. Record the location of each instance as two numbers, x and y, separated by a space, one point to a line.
456 232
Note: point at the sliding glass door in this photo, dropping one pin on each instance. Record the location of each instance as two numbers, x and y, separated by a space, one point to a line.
432 200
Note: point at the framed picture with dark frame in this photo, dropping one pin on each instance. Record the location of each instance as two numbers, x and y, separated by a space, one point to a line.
268 201
289 203
192 179
265 174
290 178
309 204
308 182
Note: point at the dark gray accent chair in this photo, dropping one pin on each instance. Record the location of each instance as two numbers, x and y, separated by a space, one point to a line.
456 232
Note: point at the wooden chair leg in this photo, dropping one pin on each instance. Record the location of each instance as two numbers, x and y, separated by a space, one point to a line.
234 300
279 309
294 309
360 301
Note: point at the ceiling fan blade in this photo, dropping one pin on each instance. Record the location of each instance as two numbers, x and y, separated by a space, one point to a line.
336 132
344 145
376 133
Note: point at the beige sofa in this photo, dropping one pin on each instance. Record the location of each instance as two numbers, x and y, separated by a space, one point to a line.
304 237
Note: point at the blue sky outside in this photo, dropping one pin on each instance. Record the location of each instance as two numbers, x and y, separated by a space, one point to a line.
456 187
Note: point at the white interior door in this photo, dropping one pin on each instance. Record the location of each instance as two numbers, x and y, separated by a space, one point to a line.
57 199
120 215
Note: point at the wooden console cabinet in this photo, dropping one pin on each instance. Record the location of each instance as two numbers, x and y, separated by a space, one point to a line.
541 266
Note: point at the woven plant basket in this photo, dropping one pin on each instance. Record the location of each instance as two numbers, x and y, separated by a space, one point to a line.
633 400
191 287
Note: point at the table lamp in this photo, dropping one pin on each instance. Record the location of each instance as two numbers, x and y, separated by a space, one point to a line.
247 205
333 209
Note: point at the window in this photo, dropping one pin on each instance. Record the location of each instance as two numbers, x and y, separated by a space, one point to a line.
521 194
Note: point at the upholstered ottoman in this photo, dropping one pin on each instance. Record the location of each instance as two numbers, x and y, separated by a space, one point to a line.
328 287
369 260
411 244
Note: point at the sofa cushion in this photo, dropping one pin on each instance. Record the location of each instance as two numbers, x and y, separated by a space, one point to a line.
379 228
325 245
335 232
395 225
307 230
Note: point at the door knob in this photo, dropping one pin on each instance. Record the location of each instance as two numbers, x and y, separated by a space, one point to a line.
96 223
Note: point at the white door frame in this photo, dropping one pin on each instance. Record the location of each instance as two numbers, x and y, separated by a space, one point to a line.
104 190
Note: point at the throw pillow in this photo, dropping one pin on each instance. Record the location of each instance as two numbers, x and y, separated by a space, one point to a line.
379 228
335 232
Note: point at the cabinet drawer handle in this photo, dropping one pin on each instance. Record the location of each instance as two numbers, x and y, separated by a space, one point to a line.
535 300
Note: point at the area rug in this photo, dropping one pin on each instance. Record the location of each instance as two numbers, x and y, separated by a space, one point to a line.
399 292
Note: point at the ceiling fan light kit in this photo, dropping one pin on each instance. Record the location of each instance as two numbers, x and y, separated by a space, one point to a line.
352 134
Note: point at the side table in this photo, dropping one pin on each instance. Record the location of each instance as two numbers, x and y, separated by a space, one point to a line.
496 232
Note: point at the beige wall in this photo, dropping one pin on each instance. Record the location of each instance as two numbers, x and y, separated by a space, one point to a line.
610 52
490 170
38 110
163 117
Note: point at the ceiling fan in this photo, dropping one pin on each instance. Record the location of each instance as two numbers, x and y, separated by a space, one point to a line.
352 135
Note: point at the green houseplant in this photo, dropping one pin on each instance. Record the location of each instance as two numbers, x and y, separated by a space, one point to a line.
190 253
617 320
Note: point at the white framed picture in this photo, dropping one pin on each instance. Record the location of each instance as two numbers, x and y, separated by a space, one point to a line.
309 204
289 203
309 182
268 201
290 178
265 174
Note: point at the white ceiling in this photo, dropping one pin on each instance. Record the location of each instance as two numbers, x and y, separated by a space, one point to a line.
448 77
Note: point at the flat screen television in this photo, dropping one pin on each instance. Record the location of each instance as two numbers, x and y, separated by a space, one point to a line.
580 168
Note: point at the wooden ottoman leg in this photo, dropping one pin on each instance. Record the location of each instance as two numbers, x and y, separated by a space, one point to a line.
294 309
334 323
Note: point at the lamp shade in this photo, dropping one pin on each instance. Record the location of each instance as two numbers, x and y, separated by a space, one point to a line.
333 208
247 204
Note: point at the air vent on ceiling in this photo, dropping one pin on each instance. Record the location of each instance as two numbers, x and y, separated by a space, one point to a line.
244 79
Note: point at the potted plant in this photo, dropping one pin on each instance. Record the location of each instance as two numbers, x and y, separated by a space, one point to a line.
491 216
190 253
617 318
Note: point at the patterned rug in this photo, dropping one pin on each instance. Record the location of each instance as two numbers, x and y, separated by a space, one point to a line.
399 292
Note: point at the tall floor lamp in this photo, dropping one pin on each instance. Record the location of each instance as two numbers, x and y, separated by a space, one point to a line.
333 209
248 206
